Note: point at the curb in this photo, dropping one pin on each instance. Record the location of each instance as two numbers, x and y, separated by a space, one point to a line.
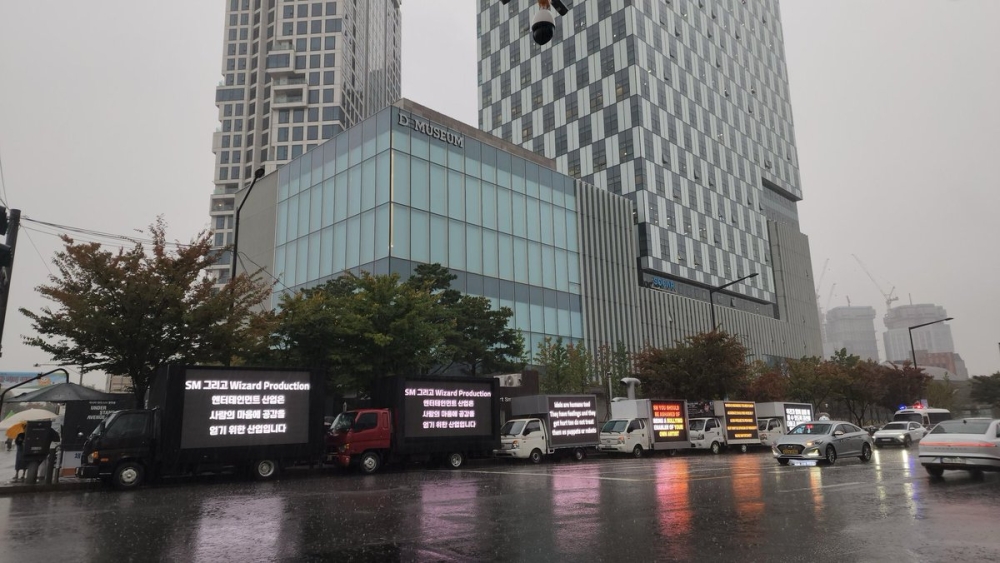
14 489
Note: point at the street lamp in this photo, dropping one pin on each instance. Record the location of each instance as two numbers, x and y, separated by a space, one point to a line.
80 372
712 291
910 329
257 175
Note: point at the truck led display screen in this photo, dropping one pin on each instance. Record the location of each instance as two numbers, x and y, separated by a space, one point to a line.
797 414
741 421
573 419
244 408
448 408
669 424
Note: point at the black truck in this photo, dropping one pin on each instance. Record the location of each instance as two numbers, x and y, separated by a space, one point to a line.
211 419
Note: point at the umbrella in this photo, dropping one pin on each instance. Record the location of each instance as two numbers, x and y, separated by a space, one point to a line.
15 423
63 393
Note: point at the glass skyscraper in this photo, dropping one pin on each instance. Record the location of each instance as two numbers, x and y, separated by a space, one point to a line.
682 107
295 73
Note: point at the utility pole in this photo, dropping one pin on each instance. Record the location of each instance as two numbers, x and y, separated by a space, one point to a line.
9 224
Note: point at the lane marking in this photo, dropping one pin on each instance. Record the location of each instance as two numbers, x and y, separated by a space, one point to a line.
822 487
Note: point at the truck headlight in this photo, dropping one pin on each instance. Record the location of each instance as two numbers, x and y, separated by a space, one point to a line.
621 439
344 448
514 445
699 436
92 458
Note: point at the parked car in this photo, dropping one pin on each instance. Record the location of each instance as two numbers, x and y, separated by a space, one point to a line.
825 440
899 434
967 444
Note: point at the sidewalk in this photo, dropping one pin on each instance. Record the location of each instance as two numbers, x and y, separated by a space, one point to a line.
7 474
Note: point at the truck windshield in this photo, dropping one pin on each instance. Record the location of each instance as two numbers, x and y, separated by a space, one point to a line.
615 426
698 424
343 422
512 428
104 424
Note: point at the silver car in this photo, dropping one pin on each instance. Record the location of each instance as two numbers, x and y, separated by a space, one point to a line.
824 440
899 434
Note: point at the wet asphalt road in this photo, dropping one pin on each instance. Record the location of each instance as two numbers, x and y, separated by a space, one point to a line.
690 507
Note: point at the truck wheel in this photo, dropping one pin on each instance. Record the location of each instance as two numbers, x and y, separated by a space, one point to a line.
743 448
128 475
716 448
637 451
264 469
536 456
579 454
455 460
370 463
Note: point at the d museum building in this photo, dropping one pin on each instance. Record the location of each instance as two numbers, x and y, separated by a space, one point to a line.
409 185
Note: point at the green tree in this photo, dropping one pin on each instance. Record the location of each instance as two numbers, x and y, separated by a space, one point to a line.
810 381
131 311
578 367
360 328
941 394
709 365
766 384
986 389
552 359
481 339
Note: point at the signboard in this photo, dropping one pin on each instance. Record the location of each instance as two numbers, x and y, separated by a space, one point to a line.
83 416
797 414
244 408
668 421
573 419
741 421
9 379
448 408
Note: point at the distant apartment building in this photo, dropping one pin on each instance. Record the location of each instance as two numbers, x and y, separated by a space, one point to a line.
852 328
295 74
934 343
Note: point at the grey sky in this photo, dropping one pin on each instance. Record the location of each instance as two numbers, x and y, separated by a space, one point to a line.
107 113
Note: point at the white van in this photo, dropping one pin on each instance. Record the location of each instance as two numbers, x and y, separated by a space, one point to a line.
927 417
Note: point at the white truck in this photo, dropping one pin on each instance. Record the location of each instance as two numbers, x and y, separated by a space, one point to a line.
550 425
638 426
724 424
775 419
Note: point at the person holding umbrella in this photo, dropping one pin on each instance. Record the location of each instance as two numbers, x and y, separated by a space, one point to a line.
17 431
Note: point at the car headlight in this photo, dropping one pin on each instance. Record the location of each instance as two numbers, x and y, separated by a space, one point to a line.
814 443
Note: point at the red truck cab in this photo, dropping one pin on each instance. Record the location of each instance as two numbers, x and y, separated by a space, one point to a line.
360 437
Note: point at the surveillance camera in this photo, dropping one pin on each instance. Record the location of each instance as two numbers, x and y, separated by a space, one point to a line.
543 25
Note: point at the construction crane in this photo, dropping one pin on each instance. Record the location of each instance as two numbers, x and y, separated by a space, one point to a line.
889 297
830 296
822 274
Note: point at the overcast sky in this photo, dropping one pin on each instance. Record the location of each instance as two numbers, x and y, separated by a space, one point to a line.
107 113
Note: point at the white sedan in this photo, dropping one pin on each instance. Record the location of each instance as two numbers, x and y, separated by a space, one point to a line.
967 444
899 434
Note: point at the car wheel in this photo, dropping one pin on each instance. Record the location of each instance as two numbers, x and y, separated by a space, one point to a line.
370 463
536 456
866 453
716 448
128 475
455 460
264 469
933 471
907 442
579 454
783 461
831 455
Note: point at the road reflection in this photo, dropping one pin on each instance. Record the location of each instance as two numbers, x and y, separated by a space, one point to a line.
673 505
575 508
748 491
